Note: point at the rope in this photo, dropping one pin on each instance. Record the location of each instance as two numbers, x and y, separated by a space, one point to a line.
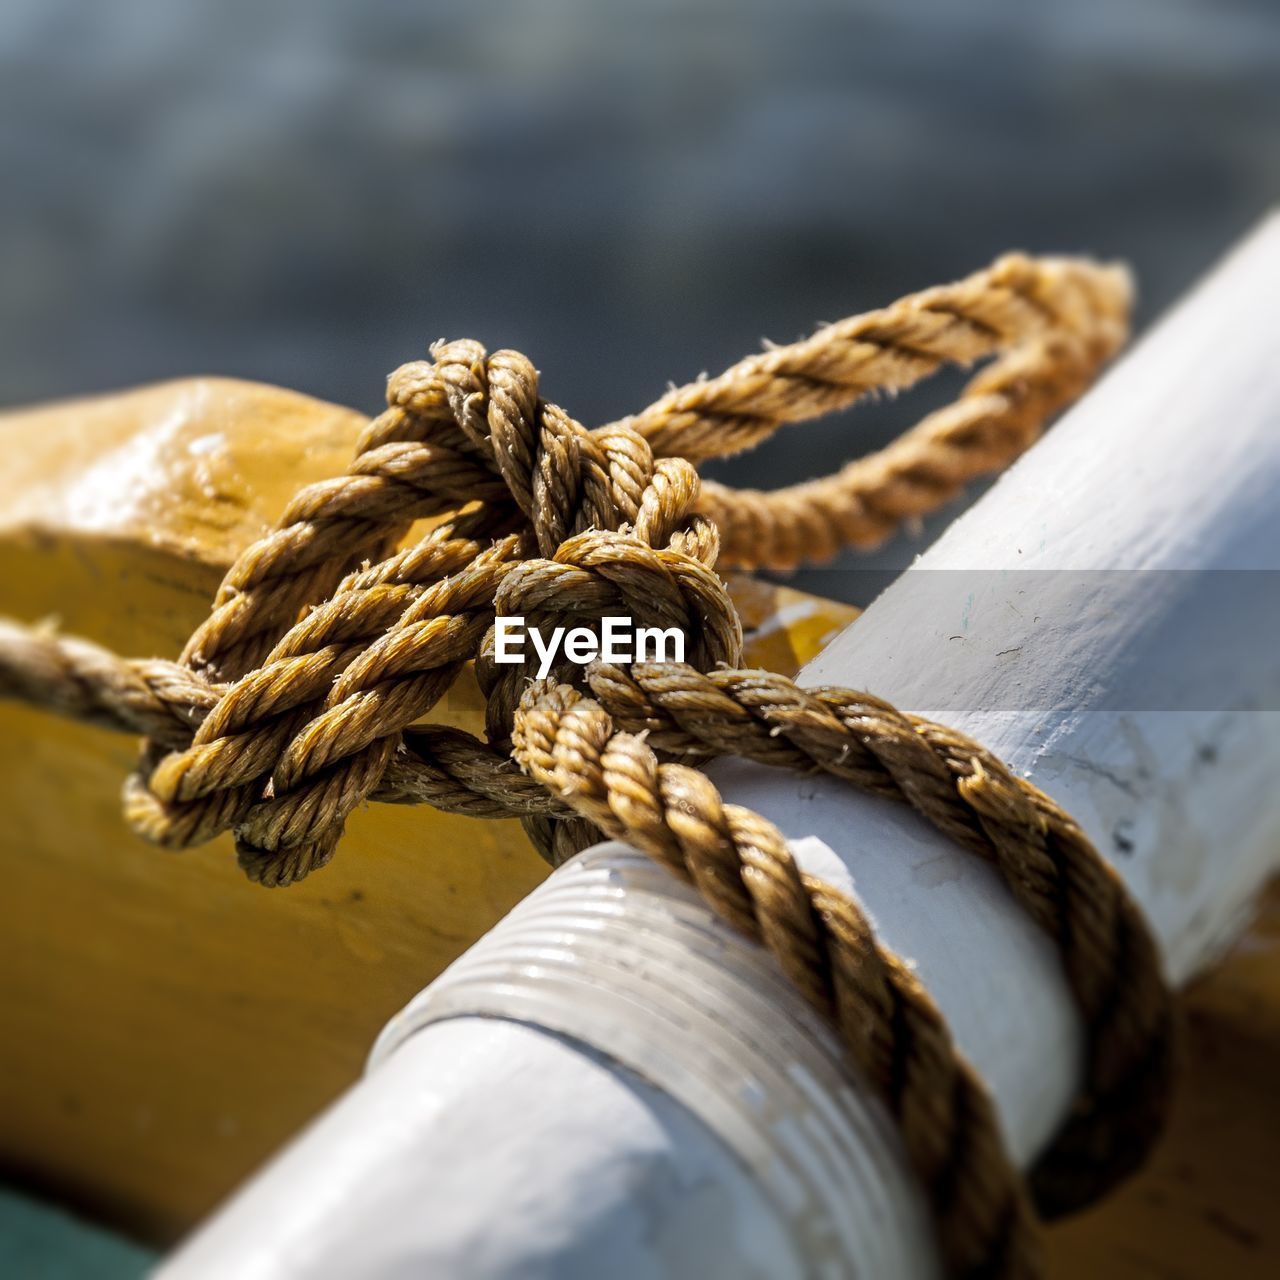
300 696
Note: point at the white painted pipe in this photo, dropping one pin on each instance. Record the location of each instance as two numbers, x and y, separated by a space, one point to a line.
614 1083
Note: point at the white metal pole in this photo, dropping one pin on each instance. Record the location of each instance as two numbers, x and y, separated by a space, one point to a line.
613 1083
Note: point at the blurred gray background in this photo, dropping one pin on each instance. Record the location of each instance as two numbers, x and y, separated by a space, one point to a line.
308 192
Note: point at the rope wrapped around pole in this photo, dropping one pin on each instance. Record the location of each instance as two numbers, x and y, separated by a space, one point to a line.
301 695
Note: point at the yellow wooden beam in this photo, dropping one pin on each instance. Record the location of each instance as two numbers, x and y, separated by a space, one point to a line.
167 1024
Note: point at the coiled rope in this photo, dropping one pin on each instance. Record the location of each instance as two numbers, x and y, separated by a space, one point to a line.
299 697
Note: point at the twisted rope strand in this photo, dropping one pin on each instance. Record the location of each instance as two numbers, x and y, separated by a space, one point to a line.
741 864
1056 323
298 698
1045 860
83 681
1014 300
998 416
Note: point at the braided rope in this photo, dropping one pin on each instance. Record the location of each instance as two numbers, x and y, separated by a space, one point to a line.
300 697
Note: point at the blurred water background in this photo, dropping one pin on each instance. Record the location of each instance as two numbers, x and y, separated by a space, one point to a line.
309 191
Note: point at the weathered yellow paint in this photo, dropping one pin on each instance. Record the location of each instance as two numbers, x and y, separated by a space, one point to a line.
164 1024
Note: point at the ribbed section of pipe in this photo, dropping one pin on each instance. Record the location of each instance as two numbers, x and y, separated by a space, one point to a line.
615 953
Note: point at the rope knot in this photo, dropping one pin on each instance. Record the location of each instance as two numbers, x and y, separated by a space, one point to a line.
326 671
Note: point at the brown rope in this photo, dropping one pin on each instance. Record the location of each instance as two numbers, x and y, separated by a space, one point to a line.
298 698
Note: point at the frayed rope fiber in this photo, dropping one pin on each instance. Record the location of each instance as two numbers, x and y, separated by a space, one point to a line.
300 697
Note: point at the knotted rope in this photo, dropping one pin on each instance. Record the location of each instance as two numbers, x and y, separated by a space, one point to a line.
299 698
